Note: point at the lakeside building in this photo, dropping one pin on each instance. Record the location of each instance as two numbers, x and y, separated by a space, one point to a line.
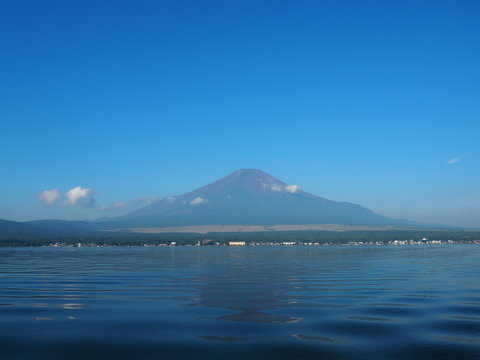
236 243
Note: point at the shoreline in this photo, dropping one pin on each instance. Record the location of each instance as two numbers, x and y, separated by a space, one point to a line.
254 244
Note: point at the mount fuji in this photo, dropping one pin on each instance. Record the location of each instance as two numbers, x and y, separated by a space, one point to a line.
250 197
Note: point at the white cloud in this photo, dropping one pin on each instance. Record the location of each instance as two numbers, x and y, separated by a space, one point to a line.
292 188
455 160
79 196
143 201
170 199
120 204
49 197
124 205
276 187
198 201
114 206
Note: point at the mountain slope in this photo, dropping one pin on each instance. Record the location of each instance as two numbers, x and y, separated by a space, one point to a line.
66 227
249 197
14 229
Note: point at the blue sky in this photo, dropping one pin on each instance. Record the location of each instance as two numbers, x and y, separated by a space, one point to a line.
372 102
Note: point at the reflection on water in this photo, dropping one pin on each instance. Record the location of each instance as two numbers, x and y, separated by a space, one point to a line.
315 338
256 302
229 339
260 317
249 286
73 306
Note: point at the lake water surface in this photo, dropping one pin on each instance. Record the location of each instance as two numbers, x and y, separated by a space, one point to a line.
296 302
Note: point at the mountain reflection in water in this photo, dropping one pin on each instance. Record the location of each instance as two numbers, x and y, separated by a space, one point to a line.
249 288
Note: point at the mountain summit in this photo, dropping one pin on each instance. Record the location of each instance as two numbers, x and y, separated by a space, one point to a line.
249 197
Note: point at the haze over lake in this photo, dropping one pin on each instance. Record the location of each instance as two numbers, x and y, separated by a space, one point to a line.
338 302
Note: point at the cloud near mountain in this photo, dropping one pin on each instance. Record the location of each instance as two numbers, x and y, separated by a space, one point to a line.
198 200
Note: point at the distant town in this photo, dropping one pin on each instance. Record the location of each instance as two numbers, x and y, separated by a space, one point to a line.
239 239
208 242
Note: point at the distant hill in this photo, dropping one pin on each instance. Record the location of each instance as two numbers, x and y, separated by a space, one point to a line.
14 229
66 227
250 197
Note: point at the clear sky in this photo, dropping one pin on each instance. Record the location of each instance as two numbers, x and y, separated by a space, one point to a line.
118 102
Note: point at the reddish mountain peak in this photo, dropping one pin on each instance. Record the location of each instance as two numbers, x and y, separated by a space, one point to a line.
252 175
252 180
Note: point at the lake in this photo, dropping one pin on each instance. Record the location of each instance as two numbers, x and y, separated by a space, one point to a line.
282 302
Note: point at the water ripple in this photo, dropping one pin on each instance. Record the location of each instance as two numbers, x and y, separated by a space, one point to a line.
389 303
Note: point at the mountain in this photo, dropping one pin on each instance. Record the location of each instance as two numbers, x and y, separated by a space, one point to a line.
66 227
249 197
14 229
